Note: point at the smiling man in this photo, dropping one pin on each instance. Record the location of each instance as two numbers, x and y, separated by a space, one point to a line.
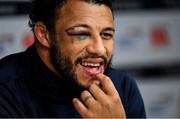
67 72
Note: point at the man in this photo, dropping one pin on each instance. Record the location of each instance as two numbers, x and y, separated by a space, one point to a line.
67 73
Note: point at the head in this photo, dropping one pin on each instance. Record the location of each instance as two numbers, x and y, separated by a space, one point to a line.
74 38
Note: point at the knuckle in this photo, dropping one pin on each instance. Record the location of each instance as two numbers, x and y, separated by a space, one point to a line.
86 114
89 114
98 106
91 87
107 79
83 94
116 99
112 101
107 104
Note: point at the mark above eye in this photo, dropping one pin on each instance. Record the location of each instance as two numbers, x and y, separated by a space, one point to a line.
79 35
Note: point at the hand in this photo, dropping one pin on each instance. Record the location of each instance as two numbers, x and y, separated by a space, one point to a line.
100 102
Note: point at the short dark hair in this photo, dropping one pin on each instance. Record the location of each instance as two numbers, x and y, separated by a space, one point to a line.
46 11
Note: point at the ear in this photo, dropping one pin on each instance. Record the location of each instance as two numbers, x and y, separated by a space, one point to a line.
42 34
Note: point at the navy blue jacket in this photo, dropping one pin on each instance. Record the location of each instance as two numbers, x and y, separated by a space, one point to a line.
29 89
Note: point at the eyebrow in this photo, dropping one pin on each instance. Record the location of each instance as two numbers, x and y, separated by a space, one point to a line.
86 26
109 29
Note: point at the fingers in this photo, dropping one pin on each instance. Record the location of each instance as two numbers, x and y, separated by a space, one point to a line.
83 106
97 92
107 85
80 107
100 101
87 99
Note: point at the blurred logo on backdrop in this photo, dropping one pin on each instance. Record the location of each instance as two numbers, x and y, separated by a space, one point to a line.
162 104
9 43
6 41
159 35
131 37
27 40
141 38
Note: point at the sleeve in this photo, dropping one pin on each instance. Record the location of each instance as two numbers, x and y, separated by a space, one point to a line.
135 104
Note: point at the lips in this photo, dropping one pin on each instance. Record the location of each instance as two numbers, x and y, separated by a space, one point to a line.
92 66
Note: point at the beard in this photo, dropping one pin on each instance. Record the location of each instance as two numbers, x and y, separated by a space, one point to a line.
66 70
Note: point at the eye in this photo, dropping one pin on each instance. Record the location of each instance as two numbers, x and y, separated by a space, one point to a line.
80 35
106 36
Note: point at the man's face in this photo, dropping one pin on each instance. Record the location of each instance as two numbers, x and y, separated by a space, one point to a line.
83 42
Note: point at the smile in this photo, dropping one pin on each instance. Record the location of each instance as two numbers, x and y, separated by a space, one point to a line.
92 66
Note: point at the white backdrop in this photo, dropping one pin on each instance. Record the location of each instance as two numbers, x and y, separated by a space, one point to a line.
147 38
15 35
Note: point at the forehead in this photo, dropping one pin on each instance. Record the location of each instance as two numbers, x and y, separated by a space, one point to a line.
78 10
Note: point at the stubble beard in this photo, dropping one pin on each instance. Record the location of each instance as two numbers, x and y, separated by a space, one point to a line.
64 66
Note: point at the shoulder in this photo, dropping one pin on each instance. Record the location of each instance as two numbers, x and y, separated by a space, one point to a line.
11 87
10 75
124 83
121 77
129 93
9 67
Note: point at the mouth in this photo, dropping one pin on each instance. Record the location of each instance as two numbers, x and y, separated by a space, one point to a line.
92 66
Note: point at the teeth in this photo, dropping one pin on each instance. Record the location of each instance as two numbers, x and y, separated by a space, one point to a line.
90 64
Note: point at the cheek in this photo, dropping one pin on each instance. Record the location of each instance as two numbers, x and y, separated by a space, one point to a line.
109 45
78 48
74 52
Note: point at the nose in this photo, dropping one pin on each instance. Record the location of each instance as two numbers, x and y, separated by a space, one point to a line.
96 47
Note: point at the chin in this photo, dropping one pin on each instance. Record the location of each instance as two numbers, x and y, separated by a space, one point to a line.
87 81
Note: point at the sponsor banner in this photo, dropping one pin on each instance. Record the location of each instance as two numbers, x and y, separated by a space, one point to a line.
15 35
141 39
147 38
161 98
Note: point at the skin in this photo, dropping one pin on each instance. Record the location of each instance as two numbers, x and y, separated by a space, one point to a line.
87 31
